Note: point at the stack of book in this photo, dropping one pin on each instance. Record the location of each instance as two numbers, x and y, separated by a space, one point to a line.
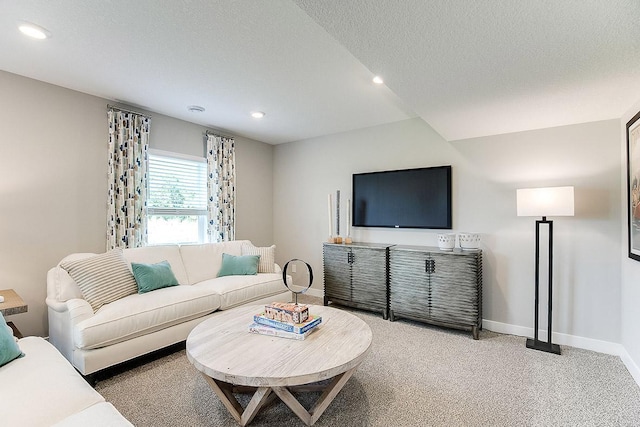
285 320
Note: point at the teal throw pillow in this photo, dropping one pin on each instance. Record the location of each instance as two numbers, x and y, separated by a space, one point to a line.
150 277
9 349
239 265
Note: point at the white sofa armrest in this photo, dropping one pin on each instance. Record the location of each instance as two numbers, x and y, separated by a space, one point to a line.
55 305
79 310
60 286
76 309
63 316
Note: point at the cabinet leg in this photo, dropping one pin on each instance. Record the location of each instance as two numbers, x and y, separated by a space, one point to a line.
385 314
391 318
475 332
326 301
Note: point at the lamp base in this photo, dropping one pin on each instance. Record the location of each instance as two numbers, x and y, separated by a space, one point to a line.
543 346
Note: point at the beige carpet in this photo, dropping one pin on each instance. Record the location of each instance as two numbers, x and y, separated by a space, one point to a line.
415 375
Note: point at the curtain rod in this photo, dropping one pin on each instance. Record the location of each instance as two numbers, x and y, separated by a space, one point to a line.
124 110
210 132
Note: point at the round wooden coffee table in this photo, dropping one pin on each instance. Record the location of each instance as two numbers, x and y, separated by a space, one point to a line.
228 356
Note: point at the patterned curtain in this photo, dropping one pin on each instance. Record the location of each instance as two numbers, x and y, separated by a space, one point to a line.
127 175
221 188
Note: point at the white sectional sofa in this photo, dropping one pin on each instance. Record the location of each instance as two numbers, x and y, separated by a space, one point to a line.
42 389
141 323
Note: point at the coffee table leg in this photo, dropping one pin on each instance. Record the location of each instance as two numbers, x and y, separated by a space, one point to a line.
310 417
242 416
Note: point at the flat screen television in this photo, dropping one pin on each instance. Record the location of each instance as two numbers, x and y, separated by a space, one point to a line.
409 198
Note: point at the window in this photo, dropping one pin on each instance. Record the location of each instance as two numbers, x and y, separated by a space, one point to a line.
177 199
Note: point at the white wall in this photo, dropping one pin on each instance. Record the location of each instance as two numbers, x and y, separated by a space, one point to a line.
630 271
486 174
53 146
254 169
53 188
53 150
254 191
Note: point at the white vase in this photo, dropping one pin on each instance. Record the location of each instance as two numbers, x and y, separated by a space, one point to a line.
446 241
469 240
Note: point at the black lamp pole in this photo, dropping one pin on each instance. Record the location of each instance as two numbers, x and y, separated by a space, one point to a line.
535 343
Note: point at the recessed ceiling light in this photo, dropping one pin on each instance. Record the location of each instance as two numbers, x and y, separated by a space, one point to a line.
257 114
378 80
33 30
195 109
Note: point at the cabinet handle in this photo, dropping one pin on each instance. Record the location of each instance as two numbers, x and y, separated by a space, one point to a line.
429 266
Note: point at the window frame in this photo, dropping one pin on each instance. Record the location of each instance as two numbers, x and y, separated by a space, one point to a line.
177 212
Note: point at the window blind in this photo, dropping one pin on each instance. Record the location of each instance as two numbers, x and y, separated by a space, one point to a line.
177 186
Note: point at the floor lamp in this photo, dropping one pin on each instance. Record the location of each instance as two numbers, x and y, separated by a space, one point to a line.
544 202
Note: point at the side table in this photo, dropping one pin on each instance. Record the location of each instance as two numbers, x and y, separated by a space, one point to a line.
12 304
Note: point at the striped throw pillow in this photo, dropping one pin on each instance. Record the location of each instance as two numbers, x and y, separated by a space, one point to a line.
102 278
267 257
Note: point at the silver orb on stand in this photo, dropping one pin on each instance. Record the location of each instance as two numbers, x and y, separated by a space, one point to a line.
293 264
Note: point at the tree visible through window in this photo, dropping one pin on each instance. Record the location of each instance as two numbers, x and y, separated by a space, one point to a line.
177 199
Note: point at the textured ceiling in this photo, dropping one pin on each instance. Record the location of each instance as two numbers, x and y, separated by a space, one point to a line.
485 67
231 57
468 68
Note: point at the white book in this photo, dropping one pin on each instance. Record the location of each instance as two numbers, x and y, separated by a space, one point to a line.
256 328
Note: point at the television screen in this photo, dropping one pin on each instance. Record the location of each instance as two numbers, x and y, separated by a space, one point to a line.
410 198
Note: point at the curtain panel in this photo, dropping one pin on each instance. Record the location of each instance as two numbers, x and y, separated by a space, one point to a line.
221 188
127 178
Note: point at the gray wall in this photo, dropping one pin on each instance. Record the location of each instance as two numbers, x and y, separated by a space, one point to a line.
53 151
254 168
486 173
630 272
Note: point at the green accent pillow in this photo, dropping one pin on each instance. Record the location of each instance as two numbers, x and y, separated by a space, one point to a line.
239 265
9 349
150 277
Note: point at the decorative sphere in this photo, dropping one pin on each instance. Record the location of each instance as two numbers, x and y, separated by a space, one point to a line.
301 276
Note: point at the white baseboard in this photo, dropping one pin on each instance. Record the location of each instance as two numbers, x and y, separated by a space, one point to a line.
631 365
557 338
570 340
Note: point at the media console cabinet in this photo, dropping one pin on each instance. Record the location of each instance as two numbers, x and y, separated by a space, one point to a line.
356 275
437 287
421 283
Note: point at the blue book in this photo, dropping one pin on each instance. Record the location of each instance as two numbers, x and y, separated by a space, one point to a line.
298 328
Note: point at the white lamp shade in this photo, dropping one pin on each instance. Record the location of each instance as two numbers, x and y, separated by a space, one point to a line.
548 201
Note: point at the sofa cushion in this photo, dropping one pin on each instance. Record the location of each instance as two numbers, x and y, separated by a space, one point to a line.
154 254
47 380
141 314
9 349
239 265
150 277
99 415
102 278
203 262
267 256
237 290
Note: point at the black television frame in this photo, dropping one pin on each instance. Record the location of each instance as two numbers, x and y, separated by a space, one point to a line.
447 224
